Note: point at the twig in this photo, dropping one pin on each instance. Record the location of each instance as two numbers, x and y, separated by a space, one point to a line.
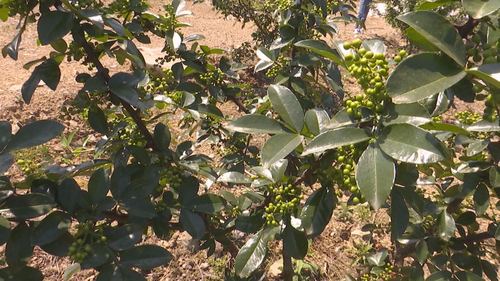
79 37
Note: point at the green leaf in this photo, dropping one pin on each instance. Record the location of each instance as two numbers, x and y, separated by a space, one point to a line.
494 176
336 138
4 230
439 276
255 124
433 4
138 204
51 228
251 255
145 257
124 86
321 48
317 211
5 134
48 72
468 276
162 137
316 120
420 41
27 206
409 113
119 273
399 214
294 242
278 147
481 199
378 258
484 126
192 223
375 174
97 256
446 226
97 120
480 8
34 134
20 273
445 127
438 31
421 251
421 76
19 248
98 186
234 177
68 194
207 204
124 237
53 25
410 144
287 106
489 73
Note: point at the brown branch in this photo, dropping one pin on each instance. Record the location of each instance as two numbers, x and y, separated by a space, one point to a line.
79 37
465 29
239 104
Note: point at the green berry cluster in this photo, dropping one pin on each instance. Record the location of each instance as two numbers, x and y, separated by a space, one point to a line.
467 117
284 201
380 274
278 66
28 166
212 78
482 52
86 236
122 7
370 71
160 84
346 163
171 178
428 223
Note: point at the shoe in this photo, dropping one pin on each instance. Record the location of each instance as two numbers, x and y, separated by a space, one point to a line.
358 30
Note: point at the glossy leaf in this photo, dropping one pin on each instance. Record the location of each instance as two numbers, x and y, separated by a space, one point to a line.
278 147
192 223
294 242
123 85
480 8
336 138
255 124
27 206
446 226
287 106
445 127
375 174
421 76
24 273
53 25
411 113
19 248
34 134
484 126
98 186
4 230
438 31
234 177
317 211
321 48
399 214
207 204
410 144
97 120
251 255
162 137
68 194
489 73
481 199
316 120
145 257
51 228
124 237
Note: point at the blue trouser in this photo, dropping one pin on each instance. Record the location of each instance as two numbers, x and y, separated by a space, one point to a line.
364 7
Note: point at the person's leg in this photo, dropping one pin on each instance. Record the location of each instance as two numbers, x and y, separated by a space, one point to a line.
364 8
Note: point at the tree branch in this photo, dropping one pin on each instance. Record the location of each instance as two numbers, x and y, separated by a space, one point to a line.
79 37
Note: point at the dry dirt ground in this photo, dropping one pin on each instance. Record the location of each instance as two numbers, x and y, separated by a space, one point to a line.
332 252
